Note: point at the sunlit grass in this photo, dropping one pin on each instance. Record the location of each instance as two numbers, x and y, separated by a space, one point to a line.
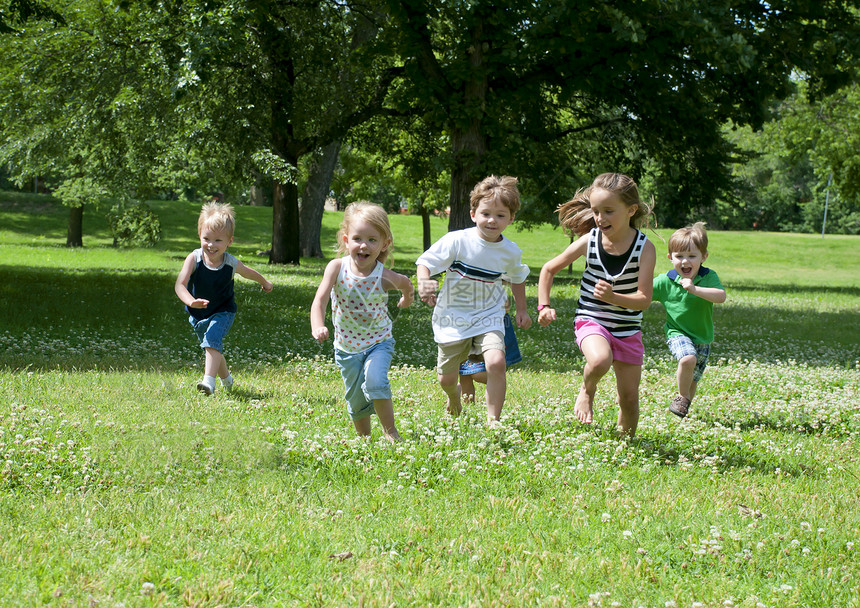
121 485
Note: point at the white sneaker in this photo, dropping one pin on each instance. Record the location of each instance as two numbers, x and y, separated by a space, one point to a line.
206 388
227 383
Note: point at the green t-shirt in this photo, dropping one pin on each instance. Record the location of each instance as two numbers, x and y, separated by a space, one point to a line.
687 314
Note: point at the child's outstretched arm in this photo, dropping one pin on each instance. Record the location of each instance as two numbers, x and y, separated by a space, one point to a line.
318 328
547 274
253 275
181 285
524 321
394 280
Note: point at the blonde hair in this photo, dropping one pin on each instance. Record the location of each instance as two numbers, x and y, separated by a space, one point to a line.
503 189
218 217
372 214
576 216
684 239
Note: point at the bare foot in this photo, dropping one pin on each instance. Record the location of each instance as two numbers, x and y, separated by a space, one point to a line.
393 437
454 406
493 423
583 408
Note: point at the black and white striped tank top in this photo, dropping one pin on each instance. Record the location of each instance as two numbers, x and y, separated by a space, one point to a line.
620 322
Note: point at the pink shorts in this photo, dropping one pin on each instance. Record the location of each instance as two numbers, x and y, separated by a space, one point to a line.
627 350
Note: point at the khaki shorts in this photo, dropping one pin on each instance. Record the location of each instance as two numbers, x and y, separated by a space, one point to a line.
452 354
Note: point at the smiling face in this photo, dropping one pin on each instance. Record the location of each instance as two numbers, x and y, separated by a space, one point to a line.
364 243
491 216
214 243
611 215
687 263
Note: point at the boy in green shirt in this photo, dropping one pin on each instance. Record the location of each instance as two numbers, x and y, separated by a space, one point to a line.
689 292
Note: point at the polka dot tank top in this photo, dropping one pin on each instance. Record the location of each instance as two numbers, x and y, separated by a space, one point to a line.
360 309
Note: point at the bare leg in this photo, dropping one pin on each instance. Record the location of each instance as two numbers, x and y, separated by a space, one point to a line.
467 386
497 383
598 359
448 382
216 364
362 427
628 377
385 412
684 375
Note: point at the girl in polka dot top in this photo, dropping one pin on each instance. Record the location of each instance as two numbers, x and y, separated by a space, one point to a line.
358 284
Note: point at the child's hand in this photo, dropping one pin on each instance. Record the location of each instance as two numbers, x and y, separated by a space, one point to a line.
199 303
267 286
603 291
406 300
546 316
427 291
687 284
320 334
524 321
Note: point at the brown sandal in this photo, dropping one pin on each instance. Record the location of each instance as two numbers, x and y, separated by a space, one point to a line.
680 406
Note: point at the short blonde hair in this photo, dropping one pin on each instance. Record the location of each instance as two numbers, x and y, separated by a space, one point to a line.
684 239
503 189
374 215
218 217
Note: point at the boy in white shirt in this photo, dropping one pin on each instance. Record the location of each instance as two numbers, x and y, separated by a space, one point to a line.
469 310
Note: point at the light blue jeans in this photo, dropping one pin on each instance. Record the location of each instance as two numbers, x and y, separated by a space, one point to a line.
211 331
365 377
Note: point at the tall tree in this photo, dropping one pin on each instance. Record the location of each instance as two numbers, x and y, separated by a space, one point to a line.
494 75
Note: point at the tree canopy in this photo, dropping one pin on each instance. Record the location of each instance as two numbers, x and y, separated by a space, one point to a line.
140 97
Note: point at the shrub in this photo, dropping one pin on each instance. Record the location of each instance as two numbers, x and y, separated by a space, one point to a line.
134 225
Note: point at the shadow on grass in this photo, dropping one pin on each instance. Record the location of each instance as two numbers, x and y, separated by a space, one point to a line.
78 309
671 452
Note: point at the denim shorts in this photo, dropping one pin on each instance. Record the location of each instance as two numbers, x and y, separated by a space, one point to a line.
212 330
365 377
681 346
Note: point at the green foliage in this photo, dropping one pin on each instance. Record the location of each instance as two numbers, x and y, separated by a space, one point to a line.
134 225
804 158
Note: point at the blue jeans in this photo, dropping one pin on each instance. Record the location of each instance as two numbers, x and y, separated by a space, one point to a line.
365 377
512 352
212 330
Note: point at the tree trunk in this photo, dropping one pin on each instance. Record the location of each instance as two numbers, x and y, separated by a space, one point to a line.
285 224
260 194
75 233
313 200
469 144
425 225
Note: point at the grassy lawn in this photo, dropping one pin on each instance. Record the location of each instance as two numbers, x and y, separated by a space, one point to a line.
121 486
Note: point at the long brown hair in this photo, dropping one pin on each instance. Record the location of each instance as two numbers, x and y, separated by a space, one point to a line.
576 216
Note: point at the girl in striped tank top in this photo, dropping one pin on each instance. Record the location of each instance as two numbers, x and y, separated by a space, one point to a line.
615 288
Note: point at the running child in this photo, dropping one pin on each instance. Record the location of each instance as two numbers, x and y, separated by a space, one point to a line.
358 284
205 286
688 293
615 288
470 308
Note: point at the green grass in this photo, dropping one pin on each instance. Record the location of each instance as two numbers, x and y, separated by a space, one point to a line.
122 486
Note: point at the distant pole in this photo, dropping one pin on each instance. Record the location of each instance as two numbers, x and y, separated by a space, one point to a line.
826 201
